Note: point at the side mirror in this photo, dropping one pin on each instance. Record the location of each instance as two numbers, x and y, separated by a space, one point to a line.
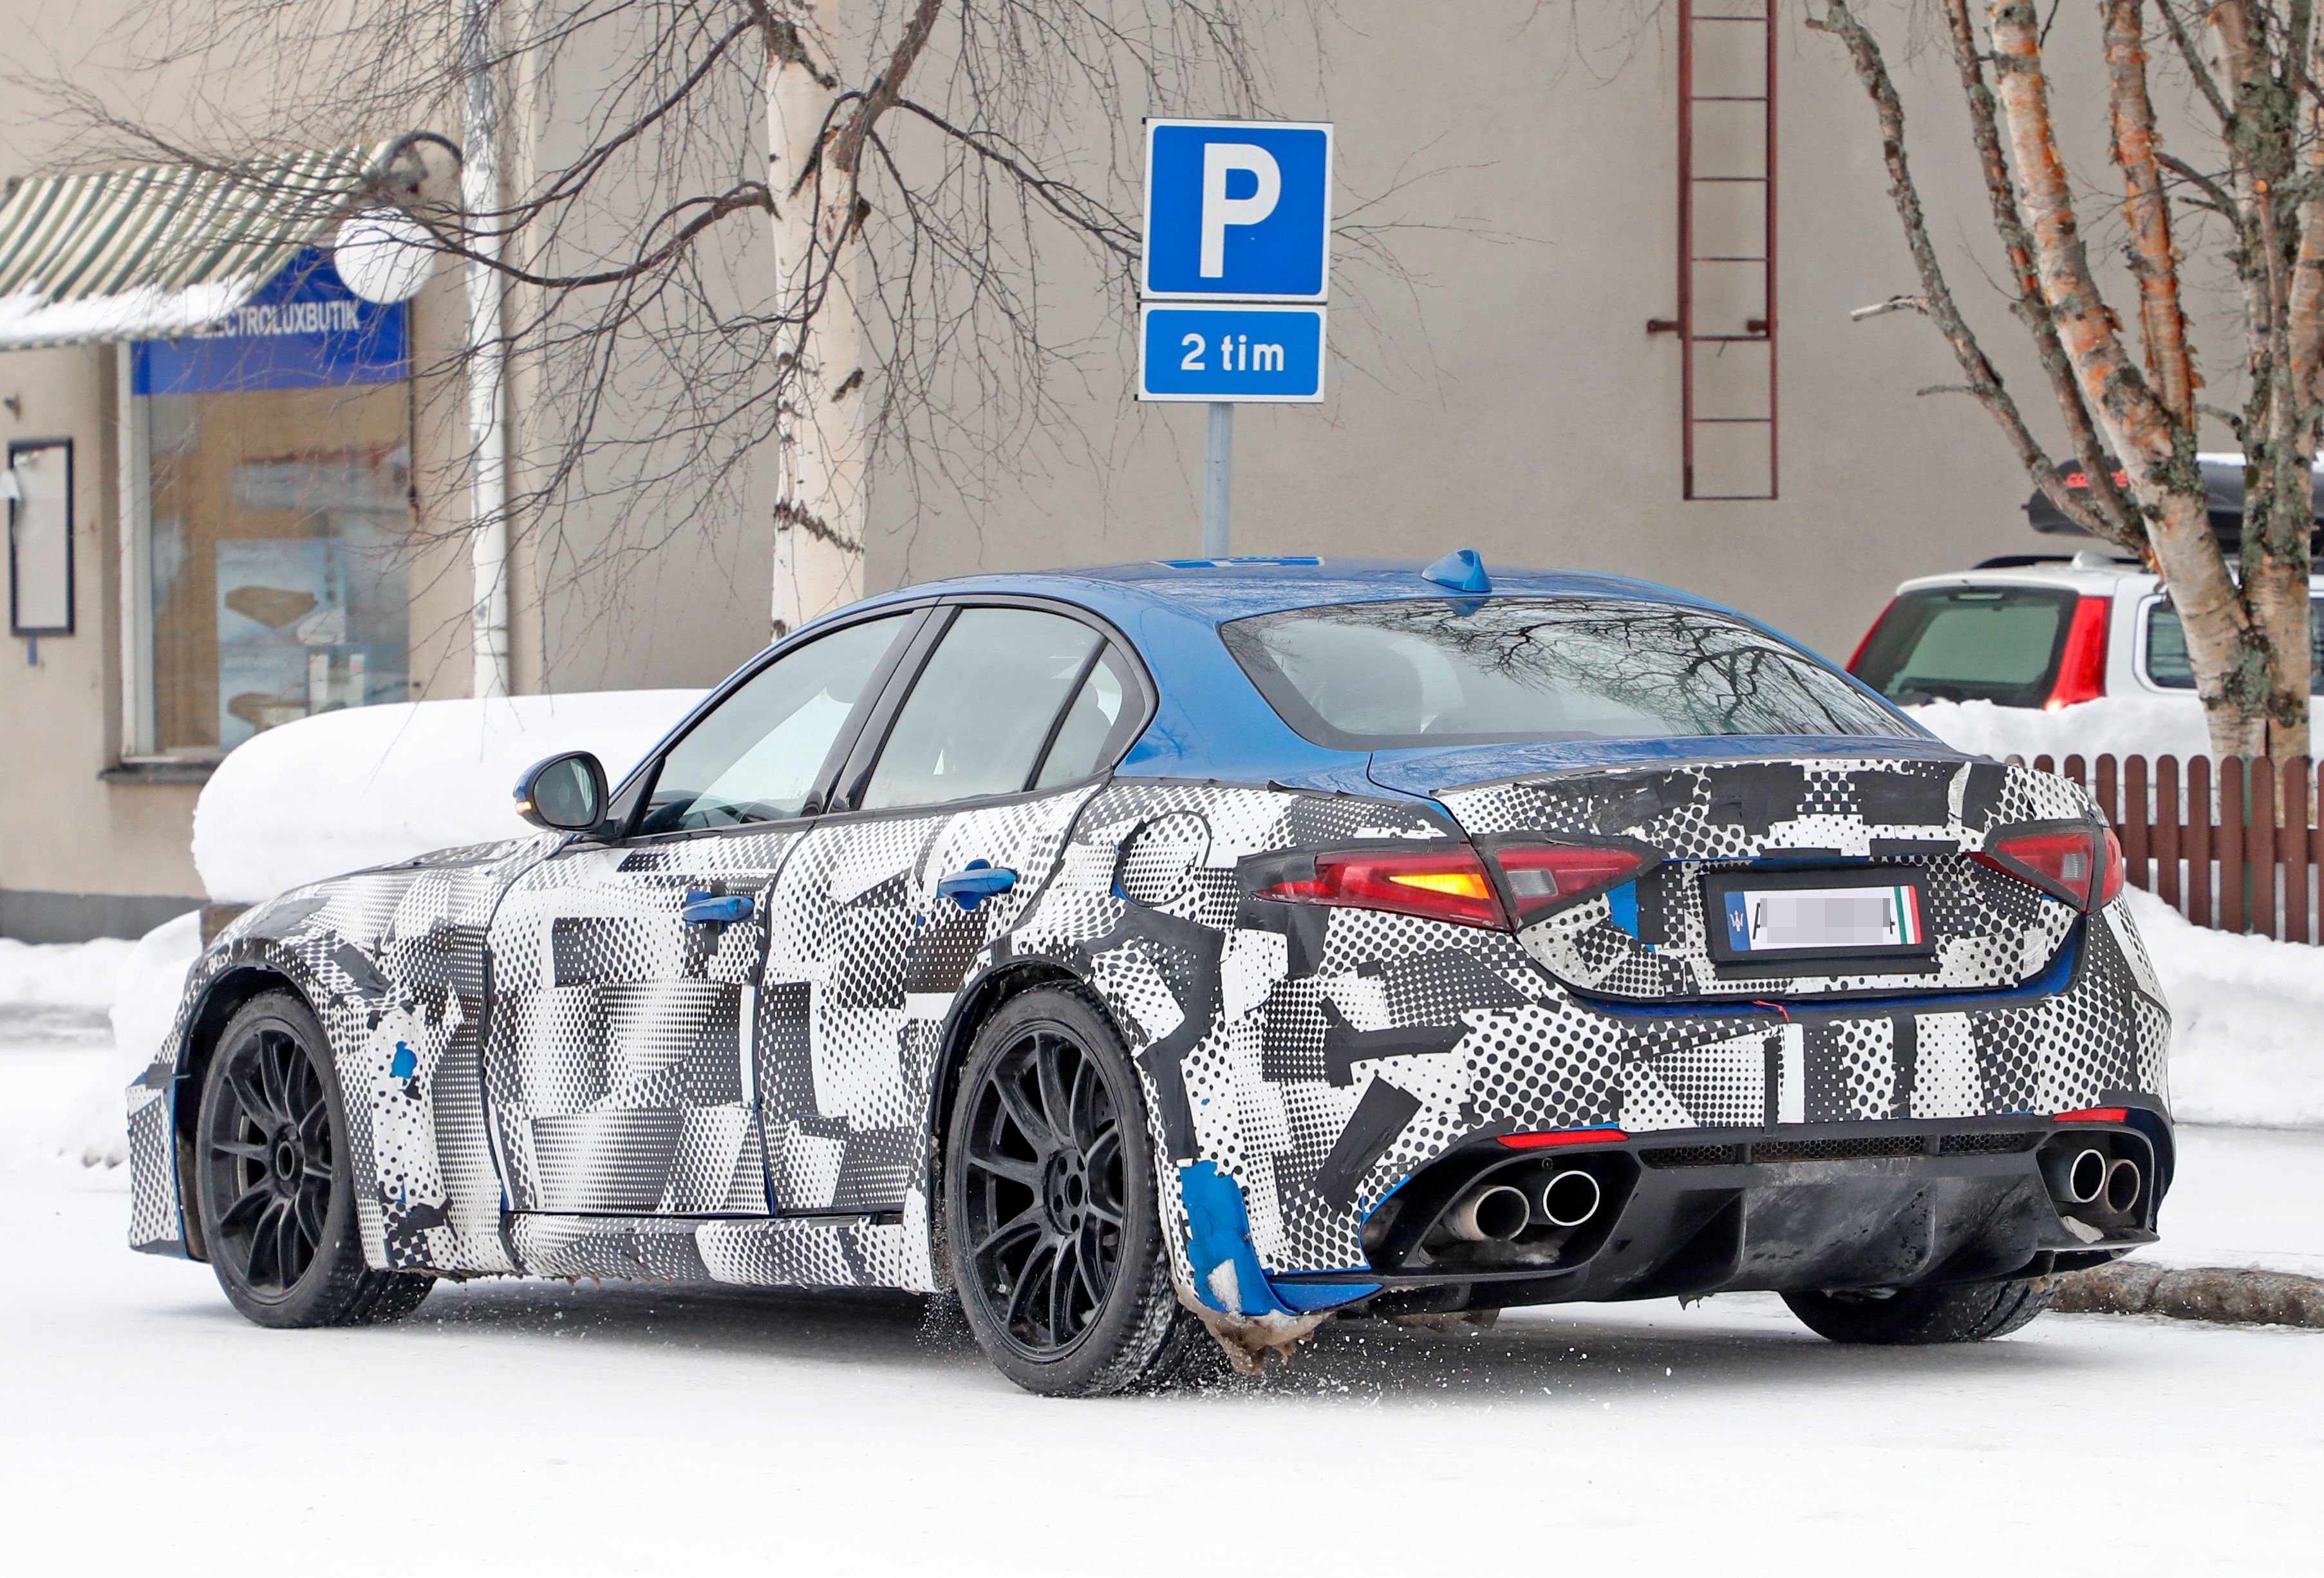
565 794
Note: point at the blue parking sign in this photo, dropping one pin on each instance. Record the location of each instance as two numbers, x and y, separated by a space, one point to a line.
1262 355
1237 209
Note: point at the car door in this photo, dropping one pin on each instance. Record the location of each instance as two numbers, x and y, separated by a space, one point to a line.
950 816
624 974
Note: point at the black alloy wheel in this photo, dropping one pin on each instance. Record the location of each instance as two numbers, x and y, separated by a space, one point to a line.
271 1183
271 1161
1050 1215
1044 1191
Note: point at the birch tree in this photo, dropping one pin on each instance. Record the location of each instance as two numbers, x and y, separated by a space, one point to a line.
2131 412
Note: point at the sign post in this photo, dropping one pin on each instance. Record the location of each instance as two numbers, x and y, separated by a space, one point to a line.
1236 268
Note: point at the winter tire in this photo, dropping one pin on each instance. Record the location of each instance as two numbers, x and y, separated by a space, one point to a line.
1970 1314
276 1201
1050 1215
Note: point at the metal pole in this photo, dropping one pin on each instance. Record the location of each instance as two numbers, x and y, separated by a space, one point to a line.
1218 479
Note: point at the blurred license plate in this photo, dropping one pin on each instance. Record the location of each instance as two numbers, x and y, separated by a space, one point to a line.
1859 918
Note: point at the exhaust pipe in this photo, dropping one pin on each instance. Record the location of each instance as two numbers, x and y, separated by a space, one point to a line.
2083 1179
1571 1199
1497 1213
2122 1183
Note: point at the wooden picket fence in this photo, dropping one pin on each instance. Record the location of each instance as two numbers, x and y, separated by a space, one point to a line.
2233 845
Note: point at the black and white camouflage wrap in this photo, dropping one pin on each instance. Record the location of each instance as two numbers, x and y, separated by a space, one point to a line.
589 1087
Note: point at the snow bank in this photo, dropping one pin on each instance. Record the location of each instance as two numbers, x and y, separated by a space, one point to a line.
150 984
70 1083
366 786
60 975
2247 1016
2117 725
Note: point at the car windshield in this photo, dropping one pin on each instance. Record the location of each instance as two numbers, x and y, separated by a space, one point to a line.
1462 670
1969 644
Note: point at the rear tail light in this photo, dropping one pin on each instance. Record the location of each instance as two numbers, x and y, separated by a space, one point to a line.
2078 863
2081 670
1447 885
1564 1136
2096 1115
1545 877
1454 883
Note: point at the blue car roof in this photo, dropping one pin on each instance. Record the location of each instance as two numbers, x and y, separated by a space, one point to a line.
1214 591
1210 722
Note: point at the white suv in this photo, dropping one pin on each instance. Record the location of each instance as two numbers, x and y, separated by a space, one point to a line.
2037 631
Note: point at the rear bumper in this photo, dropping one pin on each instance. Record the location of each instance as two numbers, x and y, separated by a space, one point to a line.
1817 1206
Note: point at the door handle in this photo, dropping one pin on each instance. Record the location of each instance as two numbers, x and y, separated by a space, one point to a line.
716 909
982 879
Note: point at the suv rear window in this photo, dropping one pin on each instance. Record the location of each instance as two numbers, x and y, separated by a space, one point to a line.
1969 644
2166 649
1468 671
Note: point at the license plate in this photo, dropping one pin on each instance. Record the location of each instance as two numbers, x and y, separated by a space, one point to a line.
1756 920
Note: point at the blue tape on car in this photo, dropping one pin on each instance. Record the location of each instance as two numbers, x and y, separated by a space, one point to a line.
1227 1275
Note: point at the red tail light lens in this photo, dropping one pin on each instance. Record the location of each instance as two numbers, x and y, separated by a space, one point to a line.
2080 865
1546 877
2081 670
1447 885
1564 1136
1868 634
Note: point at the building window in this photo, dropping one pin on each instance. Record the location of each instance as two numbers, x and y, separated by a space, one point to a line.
271 470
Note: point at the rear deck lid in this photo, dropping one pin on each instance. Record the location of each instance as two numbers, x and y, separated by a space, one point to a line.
1778 877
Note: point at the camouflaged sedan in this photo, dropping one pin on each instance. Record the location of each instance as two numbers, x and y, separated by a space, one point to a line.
1208 945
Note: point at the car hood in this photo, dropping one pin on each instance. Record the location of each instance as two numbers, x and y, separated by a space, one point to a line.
1424 772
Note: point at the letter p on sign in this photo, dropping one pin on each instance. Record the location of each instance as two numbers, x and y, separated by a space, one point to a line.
1220 210
1238 210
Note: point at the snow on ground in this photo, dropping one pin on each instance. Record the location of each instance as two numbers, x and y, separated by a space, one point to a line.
77 1021
630 1429
637 1429
2118 726
365 786
2247 1020
68 976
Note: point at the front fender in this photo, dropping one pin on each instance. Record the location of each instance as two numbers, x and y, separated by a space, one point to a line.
393 964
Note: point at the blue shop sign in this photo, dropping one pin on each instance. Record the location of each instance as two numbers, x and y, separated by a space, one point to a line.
304 330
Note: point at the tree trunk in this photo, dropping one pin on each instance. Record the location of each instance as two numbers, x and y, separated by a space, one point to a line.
820 505
2157 448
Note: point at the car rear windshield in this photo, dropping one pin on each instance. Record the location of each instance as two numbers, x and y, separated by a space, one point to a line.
1463 670
2167 662
1969 644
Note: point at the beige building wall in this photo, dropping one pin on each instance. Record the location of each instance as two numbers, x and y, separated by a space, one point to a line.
1521 408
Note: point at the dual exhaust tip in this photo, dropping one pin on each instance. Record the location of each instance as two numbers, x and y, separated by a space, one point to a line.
2092 1178
1499 1213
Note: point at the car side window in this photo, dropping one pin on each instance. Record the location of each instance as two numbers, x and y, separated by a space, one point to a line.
983 709
1097 725
2169 666
758 754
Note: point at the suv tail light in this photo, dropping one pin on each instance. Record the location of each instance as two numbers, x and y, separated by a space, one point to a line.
1543 878
1872 630
2081 668
1449 884
2078 862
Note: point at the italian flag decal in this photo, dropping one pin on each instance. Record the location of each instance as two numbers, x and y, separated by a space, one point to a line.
1907 900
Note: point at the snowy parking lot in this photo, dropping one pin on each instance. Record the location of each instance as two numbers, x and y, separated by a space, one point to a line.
631 1429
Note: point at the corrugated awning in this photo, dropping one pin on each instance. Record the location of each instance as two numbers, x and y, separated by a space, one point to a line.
165 250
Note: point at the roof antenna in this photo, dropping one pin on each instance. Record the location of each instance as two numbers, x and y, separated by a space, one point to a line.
1462 570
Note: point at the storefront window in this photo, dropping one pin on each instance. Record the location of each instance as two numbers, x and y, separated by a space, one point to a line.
278 519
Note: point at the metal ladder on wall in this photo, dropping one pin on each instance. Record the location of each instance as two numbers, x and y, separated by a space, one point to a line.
1725 322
